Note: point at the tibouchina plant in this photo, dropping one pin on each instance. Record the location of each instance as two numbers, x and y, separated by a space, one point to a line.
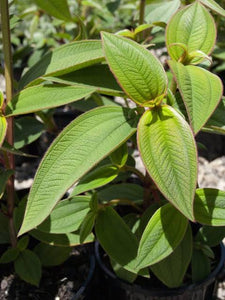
95 150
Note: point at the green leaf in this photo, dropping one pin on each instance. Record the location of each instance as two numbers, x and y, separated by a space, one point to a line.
51 255
56 8
4 176
45 96
10 149
28 267
3 128
168 150
97 76
192 26
9 255
209 207
146 216
210 236
161 11
214 6
201 92
122 273
64 59
143 81
162 235
23 243
96 178
87 225
120 156
66 216
78 148
116 238
26 131
172 269
62 240
200 265
129 191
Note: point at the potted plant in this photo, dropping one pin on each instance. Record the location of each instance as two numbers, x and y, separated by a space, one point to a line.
160 228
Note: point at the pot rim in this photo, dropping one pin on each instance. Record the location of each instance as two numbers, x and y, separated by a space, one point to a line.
169 291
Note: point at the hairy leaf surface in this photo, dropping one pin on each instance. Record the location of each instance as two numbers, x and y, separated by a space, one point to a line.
168 150
201 92
79 147
56 8
139 72
163 233
214 6
192 26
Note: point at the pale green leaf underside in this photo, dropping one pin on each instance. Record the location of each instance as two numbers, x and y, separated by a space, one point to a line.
163 233
98 177
214 6
64 59
79 147
3 128
209 207
139 72
201 92
66 216
172 269
56 8
41 97
168 150
192 26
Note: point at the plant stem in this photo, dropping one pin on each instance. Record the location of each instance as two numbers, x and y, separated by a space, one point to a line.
4 8
135 171
142 12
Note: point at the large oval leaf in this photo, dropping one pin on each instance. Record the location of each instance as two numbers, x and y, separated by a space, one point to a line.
64 59
45 96
209 207
162 235
79 147
171 270
201 92
139 72
67 215
56 8
192 26
116 238
168 150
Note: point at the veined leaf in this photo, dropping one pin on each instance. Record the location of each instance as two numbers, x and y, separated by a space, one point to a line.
79 147
64 59
192 26
45 96
214 6
201 92
3 128
116 238
139 72
97 76
162 235
120 156
66 216
172 269
62 240
216 121
209 207
168 150
56 8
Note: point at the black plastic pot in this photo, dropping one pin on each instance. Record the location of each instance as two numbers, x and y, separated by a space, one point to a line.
114 288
